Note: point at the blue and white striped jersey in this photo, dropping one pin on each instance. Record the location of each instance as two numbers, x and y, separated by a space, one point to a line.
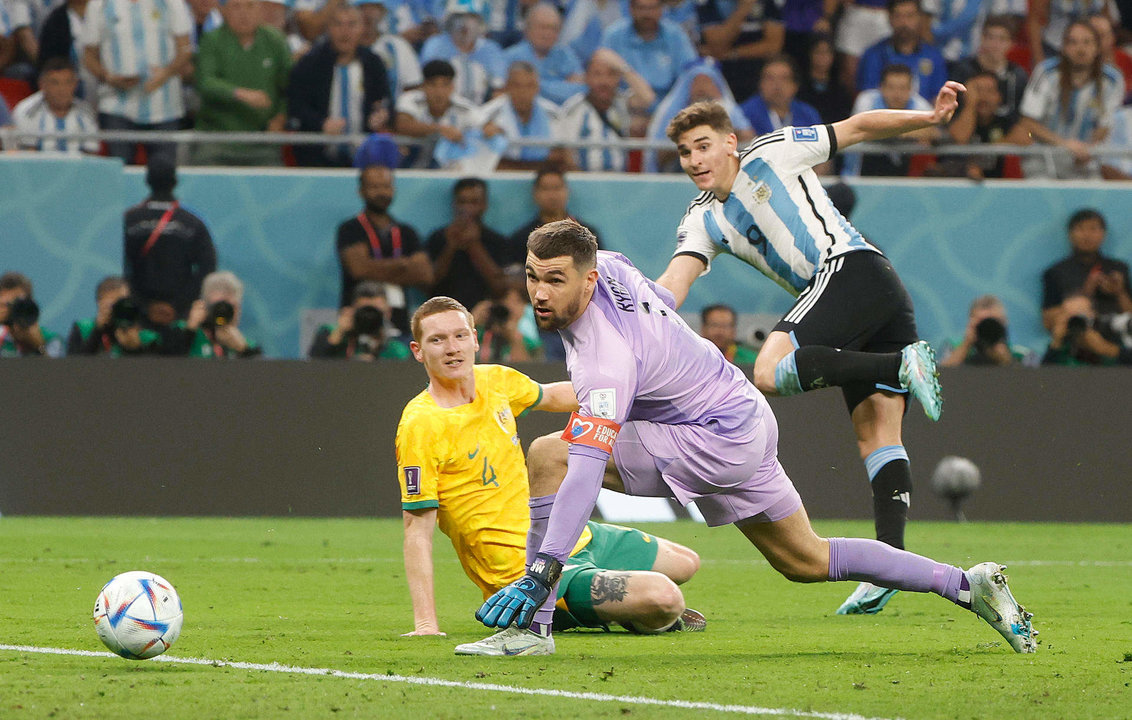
777 218
33 115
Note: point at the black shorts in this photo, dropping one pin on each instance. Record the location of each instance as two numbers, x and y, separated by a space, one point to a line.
854 302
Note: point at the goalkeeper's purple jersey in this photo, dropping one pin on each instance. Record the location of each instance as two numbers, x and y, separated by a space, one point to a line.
632 357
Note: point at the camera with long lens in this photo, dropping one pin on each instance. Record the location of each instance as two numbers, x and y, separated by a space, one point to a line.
1117 328
498 315
22 313
369 323
125 313
1075 327
220 313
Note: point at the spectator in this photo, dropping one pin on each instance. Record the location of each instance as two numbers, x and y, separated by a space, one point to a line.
115 52
994 43
275 15
6 120
117 330
802 20
741 35
979 123
1103 281
206 17
213 327
1071 102
520 114
956 25
776 104
20 332
61 36
360 333
168 250
895 93
8 47
1077 338
821 87
717 324
1048 21
401 63
434 111
467 256
338 88
506 327
656 48
605 112
1110 54
551 195
242 72
585 22
986 341
904 47
559 69
505 20
373 246
23 29
701 81
55 109
479 64
313 17
863 24
1119 167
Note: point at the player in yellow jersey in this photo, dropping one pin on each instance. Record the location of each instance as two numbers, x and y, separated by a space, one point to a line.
460 465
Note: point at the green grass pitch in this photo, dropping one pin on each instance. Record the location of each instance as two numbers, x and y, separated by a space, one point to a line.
330 594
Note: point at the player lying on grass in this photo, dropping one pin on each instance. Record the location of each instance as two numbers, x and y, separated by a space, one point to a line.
852 325
664 414
460 465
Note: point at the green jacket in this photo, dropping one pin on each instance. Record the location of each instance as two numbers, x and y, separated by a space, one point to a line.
223 65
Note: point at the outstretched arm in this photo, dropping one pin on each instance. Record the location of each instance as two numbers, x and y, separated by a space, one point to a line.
678 277
558 397
419 525
881 124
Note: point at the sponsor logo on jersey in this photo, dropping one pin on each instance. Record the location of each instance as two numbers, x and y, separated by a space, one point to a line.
413 480
805 134
603 403
594 432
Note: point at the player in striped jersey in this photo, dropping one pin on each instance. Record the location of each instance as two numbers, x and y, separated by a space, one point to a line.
853 325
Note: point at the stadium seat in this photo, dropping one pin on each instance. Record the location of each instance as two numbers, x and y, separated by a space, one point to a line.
1012 167
14 90
918 164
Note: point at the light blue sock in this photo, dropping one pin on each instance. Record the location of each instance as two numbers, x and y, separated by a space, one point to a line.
786 376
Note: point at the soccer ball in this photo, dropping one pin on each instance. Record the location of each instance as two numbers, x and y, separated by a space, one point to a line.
138 615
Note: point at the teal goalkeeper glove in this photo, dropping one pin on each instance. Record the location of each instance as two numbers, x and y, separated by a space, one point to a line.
518 602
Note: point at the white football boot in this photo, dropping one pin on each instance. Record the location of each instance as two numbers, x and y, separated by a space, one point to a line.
992 600
509 642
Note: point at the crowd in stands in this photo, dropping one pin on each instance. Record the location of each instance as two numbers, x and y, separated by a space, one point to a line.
467 79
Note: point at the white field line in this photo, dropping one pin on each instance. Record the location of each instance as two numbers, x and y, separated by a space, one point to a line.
438 682
754 560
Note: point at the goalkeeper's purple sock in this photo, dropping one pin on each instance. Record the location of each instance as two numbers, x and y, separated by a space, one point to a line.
540 516
872 561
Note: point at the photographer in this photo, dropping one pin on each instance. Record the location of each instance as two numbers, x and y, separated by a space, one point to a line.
117 328
1079 337
213 328
20 333
360 332
986 340
507 331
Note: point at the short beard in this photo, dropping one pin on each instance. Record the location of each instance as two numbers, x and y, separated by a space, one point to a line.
558 322
378 207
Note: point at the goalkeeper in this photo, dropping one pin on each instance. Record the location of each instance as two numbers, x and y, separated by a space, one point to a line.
460 465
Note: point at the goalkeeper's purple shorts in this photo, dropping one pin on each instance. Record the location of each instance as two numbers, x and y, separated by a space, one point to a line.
731 475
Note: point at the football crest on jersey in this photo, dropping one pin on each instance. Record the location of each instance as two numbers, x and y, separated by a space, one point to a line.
926 66
503 417
761 193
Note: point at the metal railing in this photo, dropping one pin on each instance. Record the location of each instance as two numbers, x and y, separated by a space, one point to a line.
12 138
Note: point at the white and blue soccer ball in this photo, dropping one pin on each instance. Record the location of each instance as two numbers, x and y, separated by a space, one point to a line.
138 615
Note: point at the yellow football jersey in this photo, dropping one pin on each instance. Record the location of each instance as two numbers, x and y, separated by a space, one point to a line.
466 462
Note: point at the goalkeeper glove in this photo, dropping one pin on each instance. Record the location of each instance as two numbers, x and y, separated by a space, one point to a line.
519 601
